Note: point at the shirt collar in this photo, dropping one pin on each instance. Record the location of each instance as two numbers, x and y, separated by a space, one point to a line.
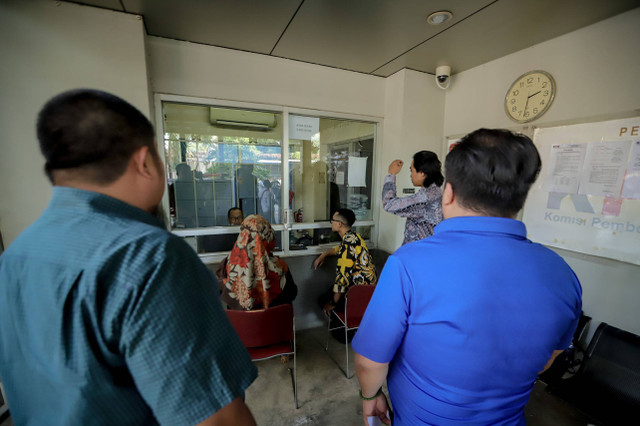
65 197
501 225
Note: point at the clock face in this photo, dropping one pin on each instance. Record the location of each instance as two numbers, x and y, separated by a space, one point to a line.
530 96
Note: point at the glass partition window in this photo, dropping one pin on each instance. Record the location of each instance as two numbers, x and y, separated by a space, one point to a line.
331 167
219 158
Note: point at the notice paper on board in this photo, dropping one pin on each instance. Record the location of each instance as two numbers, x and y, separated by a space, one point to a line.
566 167
631 188
604 167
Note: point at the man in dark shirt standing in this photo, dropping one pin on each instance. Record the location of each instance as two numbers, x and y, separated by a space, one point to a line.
105 317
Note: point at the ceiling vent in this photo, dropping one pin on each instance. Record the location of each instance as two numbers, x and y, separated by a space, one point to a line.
228 117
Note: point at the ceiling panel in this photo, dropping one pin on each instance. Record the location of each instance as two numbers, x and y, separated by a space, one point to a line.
249 25
379 37
105 4
504 27
362 35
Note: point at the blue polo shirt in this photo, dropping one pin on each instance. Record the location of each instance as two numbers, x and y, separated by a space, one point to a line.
107 318
467 318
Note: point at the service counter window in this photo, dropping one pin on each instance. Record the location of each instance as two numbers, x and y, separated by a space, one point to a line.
221 158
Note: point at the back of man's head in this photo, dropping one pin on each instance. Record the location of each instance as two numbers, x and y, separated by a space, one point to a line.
91 134
491 171
348 216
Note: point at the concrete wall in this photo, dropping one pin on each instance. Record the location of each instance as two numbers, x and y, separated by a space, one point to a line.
189 69
596 71
414 113
48 47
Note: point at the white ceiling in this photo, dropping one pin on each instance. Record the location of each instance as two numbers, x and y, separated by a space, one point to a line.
378 37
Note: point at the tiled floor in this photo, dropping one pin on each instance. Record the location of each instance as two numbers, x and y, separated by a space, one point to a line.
327 397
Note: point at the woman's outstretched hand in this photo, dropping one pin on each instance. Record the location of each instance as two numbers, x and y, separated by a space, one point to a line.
395 167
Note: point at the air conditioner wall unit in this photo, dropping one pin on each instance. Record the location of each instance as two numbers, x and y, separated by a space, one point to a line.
242 118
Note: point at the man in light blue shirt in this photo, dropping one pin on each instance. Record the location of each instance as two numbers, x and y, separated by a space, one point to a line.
462 322
105 317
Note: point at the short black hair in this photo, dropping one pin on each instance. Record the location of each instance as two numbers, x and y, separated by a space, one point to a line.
93 133
428 163
347 215
232 209
491 171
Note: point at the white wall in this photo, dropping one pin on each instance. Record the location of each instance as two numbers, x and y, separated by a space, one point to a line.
414 113
596 70
189 69
48 47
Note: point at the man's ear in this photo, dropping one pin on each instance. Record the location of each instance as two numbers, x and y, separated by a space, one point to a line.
142 162
448 197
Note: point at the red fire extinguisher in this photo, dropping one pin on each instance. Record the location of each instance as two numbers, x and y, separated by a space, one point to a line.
299 215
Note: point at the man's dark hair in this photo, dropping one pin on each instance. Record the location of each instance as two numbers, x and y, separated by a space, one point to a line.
92 133
428 163
491 171
232 209
347 216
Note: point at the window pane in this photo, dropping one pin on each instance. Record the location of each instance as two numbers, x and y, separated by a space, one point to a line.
331 167
218 158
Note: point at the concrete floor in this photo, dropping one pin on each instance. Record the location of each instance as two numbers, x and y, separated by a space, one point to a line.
326 397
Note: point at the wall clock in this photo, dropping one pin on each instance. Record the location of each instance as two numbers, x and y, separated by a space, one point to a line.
530 96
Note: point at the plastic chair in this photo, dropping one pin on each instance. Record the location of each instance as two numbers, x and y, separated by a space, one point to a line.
356 302
267 333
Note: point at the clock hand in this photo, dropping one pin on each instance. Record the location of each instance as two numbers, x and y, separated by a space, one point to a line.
530 96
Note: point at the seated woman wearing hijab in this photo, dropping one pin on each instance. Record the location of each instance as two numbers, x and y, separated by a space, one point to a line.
251 277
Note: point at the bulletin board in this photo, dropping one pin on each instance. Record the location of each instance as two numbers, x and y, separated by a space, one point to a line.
587 196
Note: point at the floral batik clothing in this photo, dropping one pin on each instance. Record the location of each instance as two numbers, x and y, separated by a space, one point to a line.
423 209
252 277
355 266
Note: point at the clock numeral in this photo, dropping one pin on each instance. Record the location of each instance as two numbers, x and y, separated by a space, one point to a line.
529 80
535 110
514 109
513 101
516 92
526 113
545 93
542 102
544 84
521 84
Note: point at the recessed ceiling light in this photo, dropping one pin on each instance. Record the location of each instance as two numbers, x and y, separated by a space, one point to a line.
440 17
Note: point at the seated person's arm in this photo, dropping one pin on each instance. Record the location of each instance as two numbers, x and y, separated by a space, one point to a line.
236 413
320 259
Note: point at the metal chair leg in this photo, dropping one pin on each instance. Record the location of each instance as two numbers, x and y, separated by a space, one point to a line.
346 348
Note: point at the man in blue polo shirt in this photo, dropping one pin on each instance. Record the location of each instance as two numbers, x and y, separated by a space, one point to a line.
105 317
461 323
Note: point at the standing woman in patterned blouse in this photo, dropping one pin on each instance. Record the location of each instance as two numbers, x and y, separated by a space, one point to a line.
423 209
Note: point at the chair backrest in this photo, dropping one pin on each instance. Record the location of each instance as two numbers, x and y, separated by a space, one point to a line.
264 326
357 300
612 366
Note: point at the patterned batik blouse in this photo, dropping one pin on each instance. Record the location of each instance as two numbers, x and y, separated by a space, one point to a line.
423 209
355 266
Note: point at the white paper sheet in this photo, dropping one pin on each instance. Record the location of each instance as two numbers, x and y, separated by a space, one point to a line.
566 165
604 167
631 188
357 171
340 178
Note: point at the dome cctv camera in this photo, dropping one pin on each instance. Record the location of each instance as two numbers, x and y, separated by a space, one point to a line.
442 76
